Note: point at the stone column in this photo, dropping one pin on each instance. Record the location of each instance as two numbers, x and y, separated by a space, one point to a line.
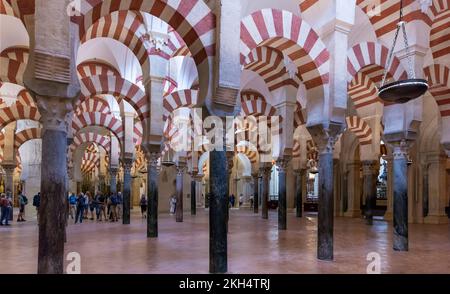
325 136
265 174
218 208
127 164
370 188
193 193
300 175
152 194
400 155
255 192
55 114
181 168
9 183
282 164
425 194
113 179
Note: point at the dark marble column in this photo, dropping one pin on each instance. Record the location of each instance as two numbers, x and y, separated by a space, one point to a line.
299 180
265 174
113 179
282 164
370 188
255 192
181 168
218 207
400 197
193 194
152 194
425 190
52 221
9 184
127 164
325 136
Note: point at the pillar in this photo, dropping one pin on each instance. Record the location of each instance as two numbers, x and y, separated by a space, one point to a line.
152 194
265 174
181 168
425 194
255 192
370 188
113 179
218 208
127 164
299 179
193 194
52 222
400 166
282 163
325 137
9 183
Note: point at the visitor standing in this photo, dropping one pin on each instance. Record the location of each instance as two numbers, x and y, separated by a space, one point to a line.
80 208
23 200
113 200
4 205
37 203
72 205
143 204
173 204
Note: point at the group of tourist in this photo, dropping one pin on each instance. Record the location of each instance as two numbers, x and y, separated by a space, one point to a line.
104 208
6 205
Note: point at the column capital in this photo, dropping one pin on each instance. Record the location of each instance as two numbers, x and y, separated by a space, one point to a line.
113 170
255 175
181 168
400 149
9 168
282 163
127 164
326 135
369 167
265 169
55 112
153 158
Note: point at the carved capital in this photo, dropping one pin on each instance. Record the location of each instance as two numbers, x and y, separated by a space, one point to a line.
369 167
127 165
153 158
55 112
325 136
282 163
400 149
181 168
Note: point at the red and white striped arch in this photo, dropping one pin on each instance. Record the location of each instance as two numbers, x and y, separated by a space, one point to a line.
306 4
296 151
312 150
17 53
138 133
291 35
90 161
91 137
365 64
299 119
26 135
440 29
178 99
192 19
11 71
360 128
128 28
120 88
384 17
17 8
17 112
95 68
93 104
24 98
170 86
253 103
247 151
439 80
107 121
269 64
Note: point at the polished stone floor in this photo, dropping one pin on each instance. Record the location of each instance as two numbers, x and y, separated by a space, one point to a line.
254 245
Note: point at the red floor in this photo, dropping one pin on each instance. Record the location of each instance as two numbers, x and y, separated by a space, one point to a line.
254 246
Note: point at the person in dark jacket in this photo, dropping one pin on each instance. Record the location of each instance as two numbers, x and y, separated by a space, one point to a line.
80 208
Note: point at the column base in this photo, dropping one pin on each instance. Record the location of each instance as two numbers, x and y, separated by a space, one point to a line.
436 219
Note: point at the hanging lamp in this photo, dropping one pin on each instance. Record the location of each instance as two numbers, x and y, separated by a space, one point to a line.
404 90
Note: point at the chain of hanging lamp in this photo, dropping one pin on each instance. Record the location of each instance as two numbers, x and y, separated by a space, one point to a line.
400 26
